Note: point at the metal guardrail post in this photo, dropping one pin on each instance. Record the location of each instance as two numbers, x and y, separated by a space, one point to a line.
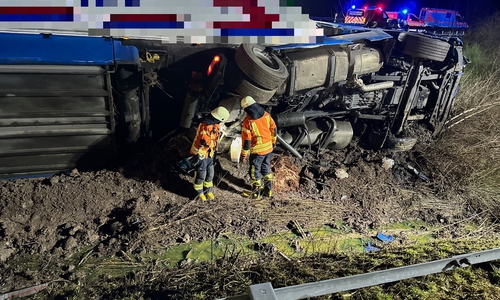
331 286
262 291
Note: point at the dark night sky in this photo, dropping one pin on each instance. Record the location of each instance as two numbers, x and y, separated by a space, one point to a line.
471 10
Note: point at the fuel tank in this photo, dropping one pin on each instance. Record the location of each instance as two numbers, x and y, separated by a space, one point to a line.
325 66
341 137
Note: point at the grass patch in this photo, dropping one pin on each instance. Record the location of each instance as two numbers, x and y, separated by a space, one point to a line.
154 274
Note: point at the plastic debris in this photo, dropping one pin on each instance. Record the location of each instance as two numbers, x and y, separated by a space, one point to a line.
387 163
385 238
371 248
24 292
341 173
419 174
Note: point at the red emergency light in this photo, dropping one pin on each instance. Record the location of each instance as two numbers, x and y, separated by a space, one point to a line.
378 7
214 62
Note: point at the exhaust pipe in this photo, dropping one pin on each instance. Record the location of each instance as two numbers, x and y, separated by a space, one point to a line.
288 147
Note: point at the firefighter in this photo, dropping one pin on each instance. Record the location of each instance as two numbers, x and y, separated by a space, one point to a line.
203 147
258 134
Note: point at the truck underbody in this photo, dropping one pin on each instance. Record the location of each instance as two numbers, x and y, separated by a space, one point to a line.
72 102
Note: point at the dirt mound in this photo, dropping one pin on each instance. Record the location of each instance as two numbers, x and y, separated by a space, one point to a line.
149 202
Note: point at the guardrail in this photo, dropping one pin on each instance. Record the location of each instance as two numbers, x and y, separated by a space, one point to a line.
265 291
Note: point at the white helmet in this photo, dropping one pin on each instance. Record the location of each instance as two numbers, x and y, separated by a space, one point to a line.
220 113
247 101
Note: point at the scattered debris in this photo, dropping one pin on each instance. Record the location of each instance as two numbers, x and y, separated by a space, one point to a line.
385 238
370 248
419 174
297 246
341 173
387 163
24 292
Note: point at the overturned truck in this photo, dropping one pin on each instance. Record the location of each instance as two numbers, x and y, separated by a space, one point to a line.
71 101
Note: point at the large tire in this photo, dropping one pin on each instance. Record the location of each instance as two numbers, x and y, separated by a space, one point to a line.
262 68
424 47
241 84
261 96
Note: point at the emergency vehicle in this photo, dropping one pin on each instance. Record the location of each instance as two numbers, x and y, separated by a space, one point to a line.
407 21
370 16
443 21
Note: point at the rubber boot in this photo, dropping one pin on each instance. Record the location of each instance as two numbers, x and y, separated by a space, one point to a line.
268 186
208 186
256 190
267 192
199 190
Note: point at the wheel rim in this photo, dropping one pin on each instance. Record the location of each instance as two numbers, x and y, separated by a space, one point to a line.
265 58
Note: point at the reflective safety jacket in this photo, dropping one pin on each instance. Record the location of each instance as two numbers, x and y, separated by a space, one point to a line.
258 135
206 140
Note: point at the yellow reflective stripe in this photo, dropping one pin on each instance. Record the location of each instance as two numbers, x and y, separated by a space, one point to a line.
262 147
256 182
252 173
257 133
246 130
208 184
268 177
200 150
198 187
245 152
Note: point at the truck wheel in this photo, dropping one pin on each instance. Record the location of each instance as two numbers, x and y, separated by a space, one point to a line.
263 68
424 47
261 96
240 83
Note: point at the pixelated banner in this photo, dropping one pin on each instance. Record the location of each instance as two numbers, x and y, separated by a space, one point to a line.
172 21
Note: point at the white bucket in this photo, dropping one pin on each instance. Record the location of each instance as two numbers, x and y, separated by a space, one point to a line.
236 150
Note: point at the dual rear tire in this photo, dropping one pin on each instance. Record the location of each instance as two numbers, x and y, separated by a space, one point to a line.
256 72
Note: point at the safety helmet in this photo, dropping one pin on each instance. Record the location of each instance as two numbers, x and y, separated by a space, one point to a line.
247 101
220 113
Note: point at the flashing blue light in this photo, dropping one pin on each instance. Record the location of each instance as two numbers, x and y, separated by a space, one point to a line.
353 7
405 11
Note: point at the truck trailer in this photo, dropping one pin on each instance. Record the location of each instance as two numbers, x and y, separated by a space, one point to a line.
75 101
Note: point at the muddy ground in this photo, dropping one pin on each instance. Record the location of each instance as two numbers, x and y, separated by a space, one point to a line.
147 201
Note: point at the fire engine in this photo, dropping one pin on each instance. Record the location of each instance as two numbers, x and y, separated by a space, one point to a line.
370 16
407 21
443 21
